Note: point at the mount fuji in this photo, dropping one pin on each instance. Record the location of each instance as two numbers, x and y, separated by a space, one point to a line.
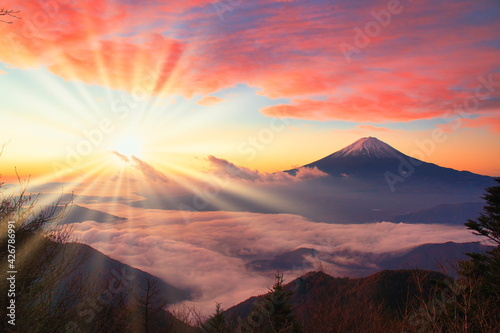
368 180
374 161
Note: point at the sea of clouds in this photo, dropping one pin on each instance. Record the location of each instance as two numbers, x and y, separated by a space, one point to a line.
207 252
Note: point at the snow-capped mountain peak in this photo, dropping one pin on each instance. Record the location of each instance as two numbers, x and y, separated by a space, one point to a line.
374 161
368 147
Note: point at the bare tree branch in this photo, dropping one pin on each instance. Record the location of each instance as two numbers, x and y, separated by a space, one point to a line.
9 13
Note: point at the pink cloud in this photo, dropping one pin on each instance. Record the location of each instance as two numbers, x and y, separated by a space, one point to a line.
362 109
491 123
487 121
309 173
224 168
121 156
405 74
91 50
148 170
145 168
210 101
418 67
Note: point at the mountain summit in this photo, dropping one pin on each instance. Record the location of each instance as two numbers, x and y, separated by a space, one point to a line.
367 158
368 147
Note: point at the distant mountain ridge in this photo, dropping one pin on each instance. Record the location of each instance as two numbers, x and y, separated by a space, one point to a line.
455 214
432 256
79 214
354 263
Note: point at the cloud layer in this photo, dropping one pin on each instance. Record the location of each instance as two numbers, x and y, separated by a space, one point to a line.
225 168
207 251
210 101
414 61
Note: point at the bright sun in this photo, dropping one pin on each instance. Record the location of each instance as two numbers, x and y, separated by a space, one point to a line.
128 145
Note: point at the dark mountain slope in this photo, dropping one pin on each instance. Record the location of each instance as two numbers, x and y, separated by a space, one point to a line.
112 296
77 214
389 291
101 268
456 214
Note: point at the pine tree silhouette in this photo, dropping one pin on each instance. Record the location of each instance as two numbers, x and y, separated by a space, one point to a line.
217 322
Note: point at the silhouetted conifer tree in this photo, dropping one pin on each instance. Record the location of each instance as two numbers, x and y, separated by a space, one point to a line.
486 266
217 322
